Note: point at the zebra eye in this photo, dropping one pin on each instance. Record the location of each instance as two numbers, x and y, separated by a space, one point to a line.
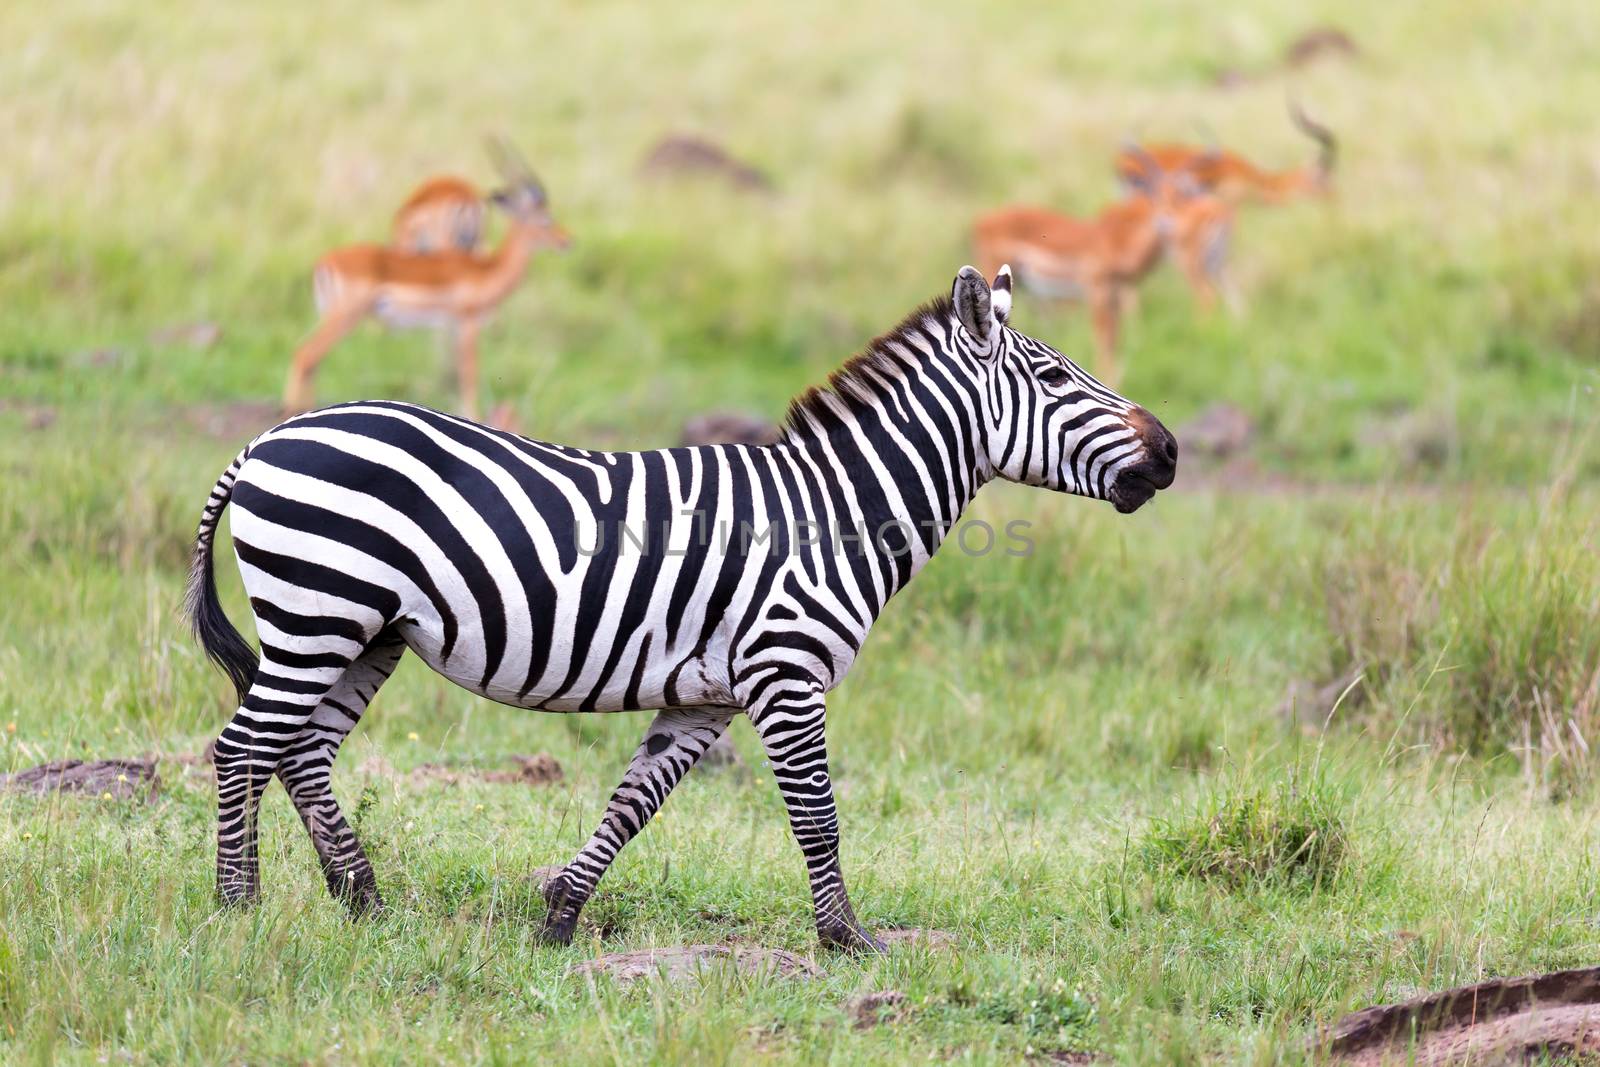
1054 375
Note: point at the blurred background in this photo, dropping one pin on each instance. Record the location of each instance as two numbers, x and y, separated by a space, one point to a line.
1387 485
175 166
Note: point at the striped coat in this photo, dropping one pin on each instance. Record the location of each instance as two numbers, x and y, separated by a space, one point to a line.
703 582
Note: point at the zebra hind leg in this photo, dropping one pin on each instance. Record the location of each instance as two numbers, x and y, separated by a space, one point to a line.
672 745
282 698
307 767
790 724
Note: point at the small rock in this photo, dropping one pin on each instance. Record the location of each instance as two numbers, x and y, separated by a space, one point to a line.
687 154
1218 432
540 876
722 754
679 963
729 428
1308 705
197 335
875 1009
124 779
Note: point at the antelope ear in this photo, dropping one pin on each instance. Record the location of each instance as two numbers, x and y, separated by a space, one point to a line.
1000 295
974 309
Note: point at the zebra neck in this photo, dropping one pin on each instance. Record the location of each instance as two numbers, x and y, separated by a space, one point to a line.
901 478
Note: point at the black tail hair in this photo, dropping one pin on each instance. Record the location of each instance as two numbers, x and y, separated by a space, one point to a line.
226 647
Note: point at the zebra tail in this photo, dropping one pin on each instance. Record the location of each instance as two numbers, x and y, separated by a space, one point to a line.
226 647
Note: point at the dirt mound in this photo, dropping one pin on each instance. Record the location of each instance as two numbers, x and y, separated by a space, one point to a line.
875 1009
1318 43
685 154
124 779
231 422
1218 432
681 962
538 769
1503 1021
729 428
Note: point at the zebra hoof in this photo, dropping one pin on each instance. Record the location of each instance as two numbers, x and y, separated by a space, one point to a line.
561 920
363 905
854 939
558 932
357 891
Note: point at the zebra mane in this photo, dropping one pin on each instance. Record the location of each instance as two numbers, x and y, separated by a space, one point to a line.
851 385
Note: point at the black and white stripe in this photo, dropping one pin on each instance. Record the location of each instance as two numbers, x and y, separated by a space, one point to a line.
562 579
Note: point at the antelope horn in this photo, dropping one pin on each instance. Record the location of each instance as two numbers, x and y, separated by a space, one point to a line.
1327 144
499 156
513 166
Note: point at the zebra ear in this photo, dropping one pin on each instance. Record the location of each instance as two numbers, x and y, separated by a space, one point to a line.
974 309
1000 295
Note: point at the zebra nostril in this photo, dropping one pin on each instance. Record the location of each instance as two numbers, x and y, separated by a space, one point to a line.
1171 449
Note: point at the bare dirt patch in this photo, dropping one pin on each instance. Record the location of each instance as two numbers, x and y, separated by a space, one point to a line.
239 421
1502 1021
538 769
876 1009
677 963
123 779
688 155
729 428
1219 431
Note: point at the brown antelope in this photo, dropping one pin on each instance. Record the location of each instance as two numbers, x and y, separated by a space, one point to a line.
442 213
1231 176
1102 260
449 288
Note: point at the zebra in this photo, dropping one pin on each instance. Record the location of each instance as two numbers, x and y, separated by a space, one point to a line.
365 529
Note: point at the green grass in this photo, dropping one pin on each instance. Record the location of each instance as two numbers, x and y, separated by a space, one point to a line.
1291 830
1077 762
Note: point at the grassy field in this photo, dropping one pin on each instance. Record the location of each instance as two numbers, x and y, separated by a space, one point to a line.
1080 764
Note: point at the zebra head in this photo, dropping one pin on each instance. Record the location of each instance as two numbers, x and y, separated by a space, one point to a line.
1048 422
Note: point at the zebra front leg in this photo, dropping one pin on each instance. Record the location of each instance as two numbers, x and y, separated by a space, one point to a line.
282 698
306 772
674 743
791 727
